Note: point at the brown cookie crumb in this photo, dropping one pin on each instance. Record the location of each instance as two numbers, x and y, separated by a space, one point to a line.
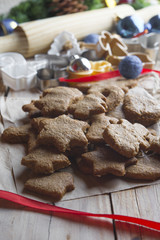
54 185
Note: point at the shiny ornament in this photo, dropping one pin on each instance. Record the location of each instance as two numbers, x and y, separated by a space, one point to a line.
130 26
80 64
154 24
7 26
91 38
131 67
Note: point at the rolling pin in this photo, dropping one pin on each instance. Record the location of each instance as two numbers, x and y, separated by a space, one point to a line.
35 37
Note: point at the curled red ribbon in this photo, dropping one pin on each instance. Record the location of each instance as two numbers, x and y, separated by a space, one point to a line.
36 205
101 76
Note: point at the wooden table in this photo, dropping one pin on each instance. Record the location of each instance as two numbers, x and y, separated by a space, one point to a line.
18 223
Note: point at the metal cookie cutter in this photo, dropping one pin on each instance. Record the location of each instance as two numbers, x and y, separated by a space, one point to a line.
148 43
47 77
55 68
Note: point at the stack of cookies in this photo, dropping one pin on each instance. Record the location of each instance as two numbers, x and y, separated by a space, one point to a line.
68 124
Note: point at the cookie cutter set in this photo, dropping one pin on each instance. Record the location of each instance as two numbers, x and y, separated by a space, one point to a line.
147 43
45 69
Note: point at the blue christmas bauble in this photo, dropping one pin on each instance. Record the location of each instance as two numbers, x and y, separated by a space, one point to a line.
7 26
130 26
154 23
91 38
130 67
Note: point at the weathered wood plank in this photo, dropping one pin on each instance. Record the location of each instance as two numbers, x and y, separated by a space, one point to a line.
148 202
75 227
17 223
142 202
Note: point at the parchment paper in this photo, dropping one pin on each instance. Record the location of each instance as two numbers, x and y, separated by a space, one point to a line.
85 185
6 174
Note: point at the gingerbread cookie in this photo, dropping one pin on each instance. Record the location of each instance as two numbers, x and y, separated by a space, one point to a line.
118 82
114 96
16 134
55 101
104 160
32 141
63 132
32 110
45 160
141 109
127 138
91 104
147 168
97 86
54 185
155 145
98 124
37 123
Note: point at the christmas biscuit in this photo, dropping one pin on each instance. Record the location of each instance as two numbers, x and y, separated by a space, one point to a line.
32 110
63 132
45 160
98 124
55 101
91 104
114 96
54 185
127 138
104 160
16 134
141 109
147 168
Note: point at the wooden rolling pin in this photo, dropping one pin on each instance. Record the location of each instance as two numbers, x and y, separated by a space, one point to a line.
36 36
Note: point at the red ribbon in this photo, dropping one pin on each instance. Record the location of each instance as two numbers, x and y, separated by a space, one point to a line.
101 76
36 205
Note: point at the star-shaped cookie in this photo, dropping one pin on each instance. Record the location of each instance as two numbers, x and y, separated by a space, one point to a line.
98 124
45 160
63 132
147 168
91 104
55 101
54 185
103 161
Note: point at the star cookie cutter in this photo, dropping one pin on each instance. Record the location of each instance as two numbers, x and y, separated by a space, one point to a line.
147 43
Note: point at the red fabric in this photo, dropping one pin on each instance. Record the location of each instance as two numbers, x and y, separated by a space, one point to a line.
93 78
36 205
101 76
